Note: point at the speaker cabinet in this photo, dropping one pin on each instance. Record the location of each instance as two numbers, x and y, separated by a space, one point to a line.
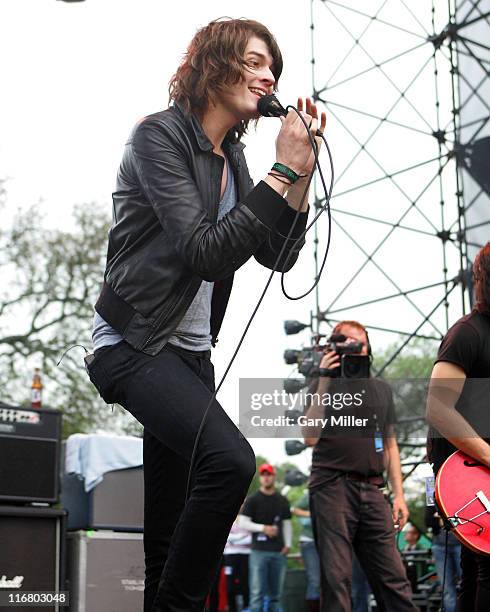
32 551
115 503
105 571
29 454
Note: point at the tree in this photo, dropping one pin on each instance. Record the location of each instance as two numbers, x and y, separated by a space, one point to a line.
408 377
415 361
51 281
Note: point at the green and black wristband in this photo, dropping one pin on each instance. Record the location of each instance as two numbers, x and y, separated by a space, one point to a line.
285 171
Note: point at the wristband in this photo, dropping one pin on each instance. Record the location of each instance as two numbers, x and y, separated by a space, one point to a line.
285 171
327 373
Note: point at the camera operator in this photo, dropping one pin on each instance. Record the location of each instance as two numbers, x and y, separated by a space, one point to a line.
351 451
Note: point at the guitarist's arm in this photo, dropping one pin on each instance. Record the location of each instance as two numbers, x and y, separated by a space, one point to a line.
446 384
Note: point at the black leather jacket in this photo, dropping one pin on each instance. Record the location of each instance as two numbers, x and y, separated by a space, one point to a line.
165 237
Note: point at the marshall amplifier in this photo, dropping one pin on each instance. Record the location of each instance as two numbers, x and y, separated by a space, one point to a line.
105 571
32 550
29 454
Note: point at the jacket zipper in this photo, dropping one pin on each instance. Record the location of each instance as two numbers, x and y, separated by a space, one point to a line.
164 314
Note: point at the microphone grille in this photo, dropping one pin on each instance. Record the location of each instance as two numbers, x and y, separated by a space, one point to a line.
269 106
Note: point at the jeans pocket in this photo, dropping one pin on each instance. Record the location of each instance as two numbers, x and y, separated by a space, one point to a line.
100 379
206 373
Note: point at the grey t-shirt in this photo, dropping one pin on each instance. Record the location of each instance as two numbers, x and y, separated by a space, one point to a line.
193 332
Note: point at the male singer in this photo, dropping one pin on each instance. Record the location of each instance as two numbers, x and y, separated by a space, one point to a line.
186 217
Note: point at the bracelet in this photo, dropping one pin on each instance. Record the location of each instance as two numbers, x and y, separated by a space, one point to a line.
285 171
280 178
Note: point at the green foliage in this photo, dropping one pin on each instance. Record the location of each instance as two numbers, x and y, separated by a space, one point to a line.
408 376
415 361
294 495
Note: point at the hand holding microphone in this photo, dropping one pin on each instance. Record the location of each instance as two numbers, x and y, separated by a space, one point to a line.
293 145
269 106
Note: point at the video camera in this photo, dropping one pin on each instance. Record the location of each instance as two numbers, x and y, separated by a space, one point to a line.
352 364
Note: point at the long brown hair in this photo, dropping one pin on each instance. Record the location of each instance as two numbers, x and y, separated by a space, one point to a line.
215 60
481 279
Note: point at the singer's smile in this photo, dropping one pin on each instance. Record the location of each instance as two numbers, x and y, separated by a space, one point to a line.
258 92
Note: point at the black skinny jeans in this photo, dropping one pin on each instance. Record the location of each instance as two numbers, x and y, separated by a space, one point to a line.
168 393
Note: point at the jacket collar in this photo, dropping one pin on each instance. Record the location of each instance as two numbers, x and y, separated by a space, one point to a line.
202 140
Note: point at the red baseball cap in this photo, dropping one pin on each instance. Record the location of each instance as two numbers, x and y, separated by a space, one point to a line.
267 467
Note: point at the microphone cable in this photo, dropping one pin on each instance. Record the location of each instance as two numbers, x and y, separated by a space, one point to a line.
326 206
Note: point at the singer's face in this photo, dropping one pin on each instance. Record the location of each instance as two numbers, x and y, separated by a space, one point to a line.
241 99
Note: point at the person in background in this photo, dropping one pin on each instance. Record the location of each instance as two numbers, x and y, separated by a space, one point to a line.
215 592
235 560
413 557
350 513
308 553
451 577
412 537
267 515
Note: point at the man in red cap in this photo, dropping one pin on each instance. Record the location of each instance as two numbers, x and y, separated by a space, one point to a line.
266 514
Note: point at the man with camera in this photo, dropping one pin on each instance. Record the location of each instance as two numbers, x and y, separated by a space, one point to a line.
351 452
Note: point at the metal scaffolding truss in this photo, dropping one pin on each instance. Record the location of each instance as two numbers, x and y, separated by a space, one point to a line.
406 126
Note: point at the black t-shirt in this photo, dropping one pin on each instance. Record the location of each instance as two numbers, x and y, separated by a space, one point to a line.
267 510
354 440
467 345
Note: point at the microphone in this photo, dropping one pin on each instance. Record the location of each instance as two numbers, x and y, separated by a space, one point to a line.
269 106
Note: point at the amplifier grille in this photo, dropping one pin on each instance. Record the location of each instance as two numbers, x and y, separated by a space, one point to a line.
28 469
